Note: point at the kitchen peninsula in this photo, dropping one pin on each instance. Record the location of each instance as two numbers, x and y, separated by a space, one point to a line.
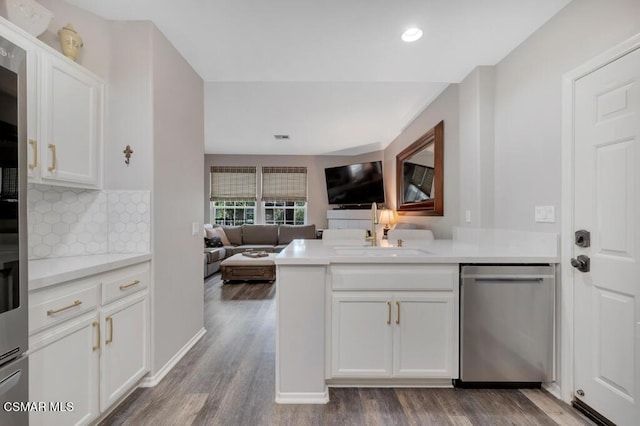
349 314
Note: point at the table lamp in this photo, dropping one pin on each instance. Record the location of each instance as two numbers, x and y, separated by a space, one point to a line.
386 218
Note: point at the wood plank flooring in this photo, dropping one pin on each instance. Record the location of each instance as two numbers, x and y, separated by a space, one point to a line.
228 378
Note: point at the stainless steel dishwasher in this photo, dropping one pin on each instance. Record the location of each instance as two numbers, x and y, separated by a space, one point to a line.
506 325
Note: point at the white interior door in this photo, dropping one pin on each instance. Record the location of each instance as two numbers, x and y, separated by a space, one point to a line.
607 203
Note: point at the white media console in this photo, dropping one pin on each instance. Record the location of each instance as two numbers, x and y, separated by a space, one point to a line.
349 219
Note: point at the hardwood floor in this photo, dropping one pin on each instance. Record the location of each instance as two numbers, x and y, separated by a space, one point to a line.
228 378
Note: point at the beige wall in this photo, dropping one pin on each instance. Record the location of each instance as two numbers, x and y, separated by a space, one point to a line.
445 107
528 105
94 30
178 128
130 107
476 93
317 191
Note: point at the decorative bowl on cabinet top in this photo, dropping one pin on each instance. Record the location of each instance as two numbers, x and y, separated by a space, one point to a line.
28 15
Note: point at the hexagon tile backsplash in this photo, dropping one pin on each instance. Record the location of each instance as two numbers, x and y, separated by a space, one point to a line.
76 222
129 221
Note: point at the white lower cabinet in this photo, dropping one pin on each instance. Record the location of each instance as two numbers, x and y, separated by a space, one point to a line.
423 337
125 353
88 352
388 335
362 335
394 323
63 368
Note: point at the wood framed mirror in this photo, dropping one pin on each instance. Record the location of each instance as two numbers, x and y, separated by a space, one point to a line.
420 175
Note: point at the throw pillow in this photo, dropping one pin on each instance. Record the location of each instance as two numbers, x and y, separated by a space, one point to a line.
219 232
213 242
208 231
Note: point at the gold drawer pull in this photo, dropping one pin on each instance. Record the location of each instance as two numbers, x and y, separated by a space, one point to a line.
34 145
57 311
110 339
389 313
54 161
96 324
124 287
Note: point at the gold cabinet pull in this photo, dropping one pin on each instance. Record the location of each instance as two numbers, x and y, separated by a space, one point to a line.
96 325
54 160
389 313
57 311
398 313
124 287
110 339
34 146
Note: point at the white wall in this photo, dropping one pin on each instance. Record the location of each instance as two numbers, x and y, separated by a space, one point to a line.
528 102
178 128
445 107
316 187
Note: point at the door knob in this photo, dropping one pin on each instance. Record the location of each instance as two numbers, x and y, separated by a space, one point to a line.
582 263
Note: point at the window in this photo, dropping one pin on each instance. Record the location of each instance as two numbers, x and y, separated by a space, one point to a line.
233 212
233 195
284 195
285 212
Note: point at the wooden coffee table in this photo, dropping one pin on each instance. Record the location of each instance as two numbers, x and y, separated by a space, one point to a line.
244 268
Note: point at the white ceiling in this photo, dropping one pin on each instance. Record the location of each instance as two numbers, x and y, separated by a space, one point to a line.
333 73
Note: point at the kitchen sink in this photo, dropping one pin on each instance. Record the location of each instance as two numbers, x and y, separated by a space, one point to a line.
380 252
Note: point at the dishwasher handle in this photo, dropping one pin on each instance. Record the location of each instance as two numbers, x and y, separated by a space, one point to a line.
507 279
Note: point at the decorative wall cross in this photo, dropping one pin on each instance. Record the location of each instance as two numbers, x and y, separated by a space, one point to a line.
127 154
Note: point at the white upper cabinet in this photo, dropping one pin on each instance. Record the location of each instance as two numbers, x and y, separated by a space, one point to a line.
65 115
70 118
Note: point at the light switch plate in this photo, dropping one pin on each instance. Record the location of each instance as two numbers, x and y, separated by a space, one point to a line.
467 216
195 228
545 214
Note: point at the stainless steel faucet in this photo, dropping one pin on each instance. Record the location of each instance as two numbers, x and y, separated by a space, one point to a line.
374 221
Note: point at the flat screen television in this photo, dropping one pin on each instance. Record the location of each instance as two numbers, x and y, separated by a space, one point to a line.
355 184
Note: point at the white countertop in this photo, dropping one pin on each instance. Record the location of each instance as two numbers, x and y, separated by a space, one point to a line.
319 252
47 272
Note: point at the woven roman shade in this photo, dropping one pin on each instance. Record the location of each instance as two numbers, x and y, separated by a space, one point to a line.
284 184
233 183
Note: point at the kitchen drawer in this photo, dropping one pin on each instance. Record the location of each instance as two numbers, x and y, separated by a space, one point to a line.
125 281
394 277
52 306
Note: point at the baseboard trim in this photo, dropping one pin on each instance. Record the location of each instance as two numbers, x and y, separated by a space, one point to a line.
151 381
553 389
389 383
303 397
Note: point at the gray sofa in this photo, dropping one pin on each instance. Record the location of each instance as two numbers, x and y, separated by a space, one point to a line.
269 238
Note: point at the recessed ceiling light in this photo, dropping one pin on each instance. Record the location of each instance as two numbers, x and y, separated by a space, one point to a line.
281 137
412 34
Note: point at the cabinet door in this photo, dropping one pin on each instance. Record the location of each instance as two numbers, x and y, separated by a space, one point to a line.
63 368
425 335
125 347
361 335
71 120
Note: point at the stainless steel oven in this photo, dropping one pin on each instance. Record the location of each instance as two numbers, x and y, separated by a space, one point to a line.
13 236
